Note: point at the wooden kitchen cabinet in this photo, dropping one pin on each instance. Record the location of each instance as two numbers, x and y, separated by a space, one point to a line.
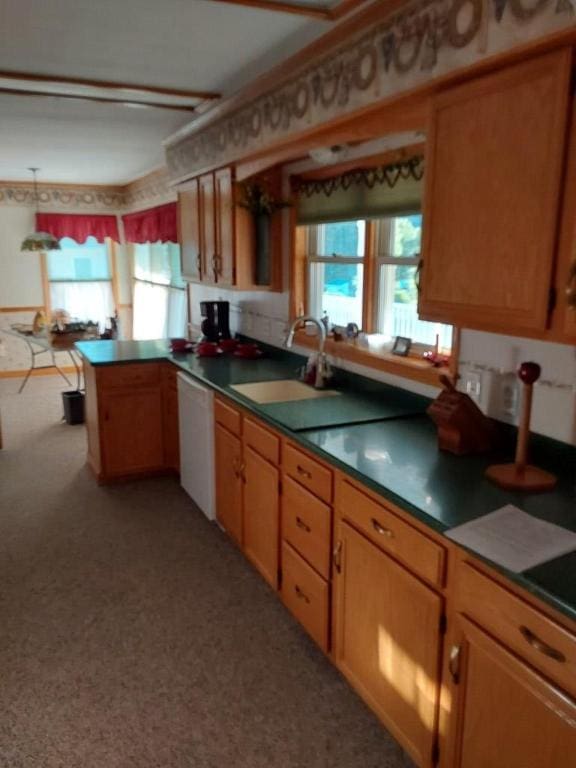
494 164
132 433
261 497
217 236
504 712
228 455
131 420
189 231
388 641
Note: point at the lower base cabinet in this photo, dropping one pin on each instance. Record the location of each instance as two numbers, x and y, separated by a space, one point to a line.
261 514
506 715
387 641
228 454
306 595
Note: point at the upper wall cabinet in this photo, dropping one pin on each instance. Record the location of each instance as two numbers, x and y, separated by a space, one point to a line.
219 238
494 173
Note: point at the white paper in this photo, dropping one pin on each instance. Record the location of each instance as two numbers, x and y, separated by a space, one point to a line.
514 539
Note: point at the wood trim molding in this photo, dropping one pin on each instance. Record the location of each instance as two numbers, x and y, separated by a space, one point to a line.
319 12
14 310
48 371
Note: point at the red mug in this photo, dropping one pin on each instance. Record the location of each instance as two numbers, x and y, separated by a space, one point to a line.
207 349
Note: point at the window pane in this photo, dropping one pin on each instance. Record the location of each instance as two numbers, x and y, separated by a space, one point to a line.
398 308
337 290
84 301
88 261
400 236
158 263
343 238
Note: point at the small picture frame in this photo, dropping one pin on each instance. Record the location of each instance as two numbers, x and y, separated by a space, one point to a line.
401 346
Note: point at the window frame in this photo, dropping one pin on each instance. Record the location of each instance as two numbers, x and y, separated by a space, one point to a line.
413 366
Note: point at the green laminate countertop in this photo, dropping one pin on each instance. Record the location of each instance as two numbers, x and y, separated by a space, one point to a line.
398 458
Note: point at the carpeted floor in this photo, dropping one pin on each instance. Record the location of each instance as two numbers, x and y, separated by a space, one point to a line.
133 634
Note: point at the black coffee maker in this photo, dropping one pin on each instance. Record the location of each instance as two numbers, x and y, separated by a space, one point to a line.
215 320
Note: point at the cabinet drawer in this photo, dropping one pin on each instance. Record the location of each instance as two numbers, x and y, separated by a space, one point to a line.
539 640
262 441
308 472
307 525
228 416
128 376
422 555
305 594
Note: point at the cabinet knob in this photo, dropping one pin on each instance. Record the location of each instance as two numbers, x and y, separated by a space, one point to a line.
454 663
539 645
303 472
381 530
337 557
301 594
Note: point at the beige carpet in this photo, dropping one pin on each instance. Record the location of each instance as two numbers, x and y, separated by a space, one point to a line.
132 633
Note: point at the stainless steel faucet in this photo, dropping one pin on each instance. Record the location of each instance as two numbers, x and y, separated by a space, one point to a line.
323 372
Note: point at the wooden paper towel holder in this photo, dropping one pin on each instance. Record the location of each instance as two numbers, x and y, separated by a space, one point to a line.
521 476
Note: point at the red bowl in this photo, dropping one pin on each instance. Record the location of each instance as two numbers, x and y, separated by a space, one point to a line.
207 349
228 345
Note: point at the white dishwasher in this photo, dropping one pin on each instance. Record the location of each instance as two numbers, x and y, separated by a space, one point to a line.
196 422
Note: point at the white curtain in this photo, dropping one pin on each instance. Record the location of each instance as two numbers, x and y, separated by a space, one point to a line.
159 292
159 311
84 300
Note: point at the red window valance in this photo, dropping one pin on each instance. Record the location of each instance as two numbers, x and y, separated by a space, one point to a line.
78 226
152 225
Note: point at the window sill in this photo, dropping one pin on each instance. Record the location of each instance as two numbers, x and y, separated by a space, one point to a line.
406 367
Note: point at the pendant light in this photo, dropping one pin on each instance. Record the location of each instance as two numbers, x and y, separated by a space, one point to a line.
39 241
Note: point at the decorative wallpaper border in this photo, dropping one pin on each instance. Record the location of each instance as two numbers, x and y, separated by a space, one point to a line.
148 191
424 40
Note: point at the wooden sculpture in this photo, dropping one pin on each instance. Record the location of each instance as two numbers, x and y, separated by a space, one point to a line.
522 476
462 427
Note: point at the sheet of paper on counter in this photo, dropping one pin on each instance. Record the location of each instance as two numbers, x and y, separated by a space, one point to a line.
514 539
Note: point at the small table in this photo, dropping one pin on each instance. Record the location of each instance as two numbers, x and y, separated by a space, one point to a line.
39 345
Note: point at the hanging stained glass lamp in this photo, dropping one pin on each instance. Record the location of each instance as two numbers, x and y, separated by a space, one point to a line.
39 241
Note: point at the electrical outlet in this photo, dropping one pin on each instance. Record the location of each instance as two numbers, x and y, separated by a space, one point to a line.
509 396
472 384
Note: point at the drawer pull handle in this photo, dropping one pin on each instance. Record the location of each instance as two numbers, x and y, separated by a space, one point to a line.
381 530
337 557
301 524
540 645
303 472
454 664
301 594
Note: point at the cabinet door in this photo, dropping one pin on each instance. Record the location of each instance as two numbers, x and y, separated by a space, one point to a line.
207 228
493 172
224 221
132 439
228 452
189 232
387 641
505 713
261 515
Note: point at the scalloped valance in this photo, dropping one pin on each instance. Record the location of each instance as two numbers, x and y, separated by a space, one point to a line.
78 226
362 193
153 225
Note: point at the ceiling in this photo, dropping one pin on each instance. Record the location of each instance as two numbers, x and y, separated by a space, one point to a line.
189 44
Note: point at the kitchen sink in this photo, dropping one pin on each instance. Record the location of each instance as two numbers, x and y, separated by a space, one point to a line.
283 391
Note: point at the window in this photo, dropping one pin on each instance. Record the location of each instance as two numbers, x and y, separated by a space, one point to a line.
398 241
80 280
342 258
336 276
159 292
